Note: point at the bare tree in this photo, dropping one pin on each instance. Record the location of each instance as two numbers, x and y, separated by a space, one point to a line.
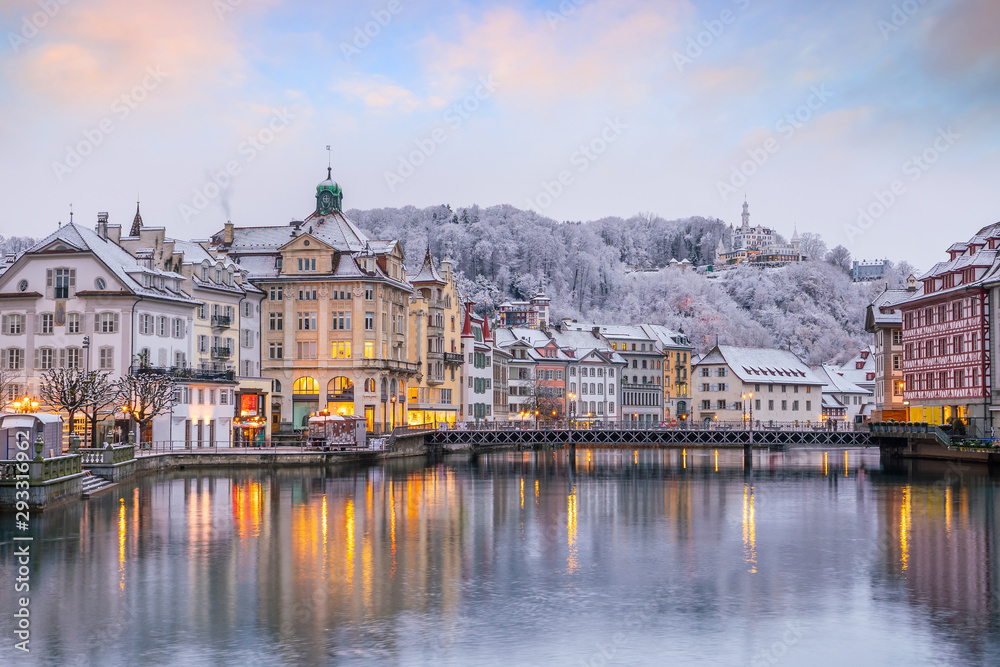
65 389
102 393
8 381
145 395
841 258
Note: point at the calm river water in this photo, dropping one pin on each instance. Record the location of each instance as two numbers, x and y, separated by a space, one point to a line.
821 557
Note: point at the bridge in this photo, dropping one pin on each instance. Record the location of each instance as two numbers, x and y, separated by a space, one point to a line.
490 437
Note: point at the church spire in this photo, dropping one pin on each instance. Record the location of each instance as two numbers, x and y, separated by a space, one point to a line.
136 222
746 213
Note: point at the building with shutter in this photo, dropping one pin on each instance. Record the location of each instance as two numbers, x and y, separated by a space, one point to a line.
78 286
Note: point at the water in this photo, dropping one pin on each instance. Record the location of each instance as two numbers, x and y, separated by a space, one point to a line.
609 557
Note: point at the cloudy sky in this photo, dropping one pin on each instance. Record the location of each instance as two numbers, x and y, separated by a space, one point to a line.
216 109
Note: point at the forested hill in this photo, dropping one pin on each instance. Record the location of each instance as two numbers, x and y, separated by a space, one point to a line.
588 269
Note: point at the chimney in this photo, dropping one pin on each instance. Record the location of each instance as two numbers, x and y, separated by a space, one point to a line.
227 236
596 331
102 225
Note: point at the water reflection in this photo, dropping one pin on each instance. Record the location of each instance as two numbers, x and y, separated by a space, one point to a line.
444 562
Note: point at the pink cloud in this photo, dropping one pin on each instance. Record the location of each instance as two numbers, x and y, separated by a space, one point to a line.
609 48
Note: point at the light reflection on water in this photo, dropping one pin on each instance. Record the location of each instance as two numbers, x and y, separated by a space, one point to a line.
625 556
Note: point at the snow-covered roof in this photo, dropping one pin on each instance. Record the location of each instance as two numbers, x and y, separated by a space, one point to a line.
762 365
334 229
115 258
830 401
836 382
667 337
884 309
427 273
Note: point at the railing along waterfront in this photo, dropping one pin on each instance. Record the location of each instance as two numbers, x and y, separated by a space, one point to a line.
110 455
61 466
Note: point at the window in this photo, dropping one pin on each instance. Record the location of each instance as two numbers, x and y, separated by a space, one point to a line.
340 350
178 328
13 324
107 322
307 321
180 359
307 264
201 398
211 397
146 324
48 323
247 309
106 358
369 293
706 405
770 404
275 351
72 323
784 405
720 404
203 343
276 321
809 406
275 293
71 358
14 359
897 362
305 350
341 320
307 294
64 279
897 337
795 406
369 321
224 396
369 350
162 327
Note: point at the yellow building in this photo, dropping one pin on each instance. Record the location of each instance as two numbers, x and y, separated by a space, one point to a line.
334 318
435 326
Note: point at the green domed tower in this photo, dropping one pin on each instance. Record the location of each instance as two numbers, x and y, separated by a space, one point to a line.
329 197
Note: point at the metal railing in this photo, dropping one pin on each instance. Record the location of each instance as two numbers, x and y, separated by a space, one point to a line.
222 352
629 425
453 358
390 365
222 321
186 373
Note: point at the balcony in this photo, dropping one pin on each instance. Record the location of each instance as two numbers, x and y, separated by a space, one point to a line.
222 352
222 321
390 365
453 358
642 387
192 374
435 379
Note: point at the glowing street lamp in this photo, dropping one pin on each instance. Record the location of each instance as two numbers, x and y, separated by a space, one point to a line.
25 405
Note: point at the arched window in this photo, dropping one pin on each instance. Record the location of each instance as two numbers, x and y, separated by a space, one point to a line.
305 385
277 387
341 388
385 388
392 387
370 385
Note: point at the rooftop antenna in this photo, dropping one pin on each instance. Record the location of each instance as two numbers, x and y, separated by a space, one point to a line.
329 162
71 213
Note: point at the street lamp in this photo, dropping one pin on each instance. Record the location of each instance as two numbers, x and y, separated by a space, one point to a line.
748 400
392 419
25 405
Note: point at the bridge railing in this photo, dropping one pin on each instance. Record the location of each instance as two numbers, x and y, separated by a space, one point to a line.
629 425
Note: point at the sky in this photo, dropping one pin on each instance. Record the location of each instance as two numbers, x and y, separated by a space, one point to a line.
873 123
